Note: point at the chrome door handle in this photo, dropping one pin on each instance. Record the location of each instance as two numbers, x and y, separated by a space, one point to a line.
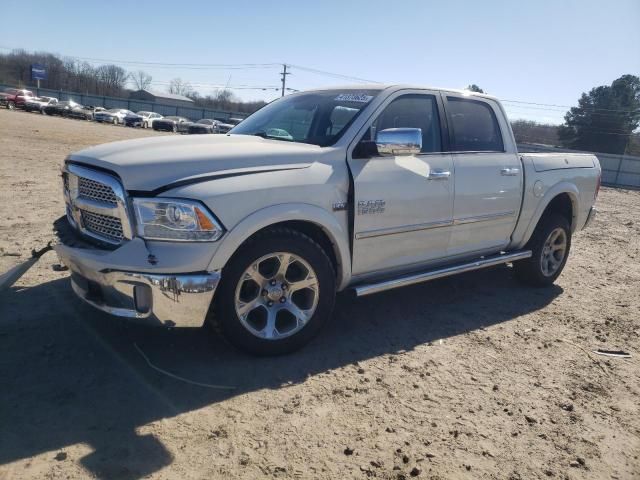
510 172
439 175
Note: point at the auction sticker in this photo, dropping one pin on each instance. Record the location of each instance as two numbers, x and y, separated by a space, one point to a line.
354 97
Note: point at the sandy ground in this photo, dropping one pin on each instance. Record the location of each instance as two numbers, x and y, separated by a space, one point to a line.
469 377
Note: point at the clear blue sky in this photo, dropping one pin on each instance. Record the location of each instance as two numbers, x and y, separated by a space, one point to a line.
544 51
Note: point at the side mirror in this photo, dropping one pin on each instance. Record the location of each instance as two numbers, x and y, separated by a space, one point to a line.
399 141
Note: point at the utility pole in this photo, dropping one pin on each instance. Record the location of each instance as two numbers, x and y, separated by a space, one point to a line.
284 74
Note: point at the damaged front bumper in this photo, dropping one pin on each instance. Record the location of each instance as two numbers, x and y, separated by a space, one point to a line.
100 278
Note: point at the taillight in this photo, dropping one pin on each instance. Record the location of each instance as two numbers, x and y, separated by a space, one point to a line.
599 182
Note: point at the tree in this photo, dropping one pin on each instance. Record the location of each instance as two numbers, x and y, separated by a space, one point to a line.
141 80
113 78
605 118
474 88
179 87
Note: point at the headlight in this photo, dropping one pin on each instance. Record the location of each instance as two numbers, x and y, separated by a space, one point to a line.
175 219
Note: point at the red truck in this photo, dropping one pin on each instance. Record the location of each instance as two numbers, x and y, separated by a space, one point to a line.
15 97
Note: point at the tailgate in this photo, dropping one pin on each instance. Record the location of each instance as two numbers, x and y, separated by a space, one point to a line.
558 161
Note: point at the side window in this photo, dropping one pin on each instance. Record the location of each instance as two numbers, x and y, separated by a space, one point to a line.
413 111
474 126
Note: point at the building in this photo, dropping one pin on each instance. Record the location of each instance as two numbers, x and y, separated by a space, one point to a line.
161 97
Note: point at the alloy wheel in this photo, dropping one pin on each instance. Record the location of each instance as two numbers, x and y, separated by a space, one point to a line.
553 252
277 295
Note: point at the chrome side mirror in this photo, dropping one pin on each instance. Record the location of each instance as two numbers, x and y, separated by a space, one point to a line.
399 141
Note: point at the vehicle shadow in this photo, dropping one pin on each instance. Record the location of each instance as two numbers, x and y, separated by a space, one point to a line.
72 375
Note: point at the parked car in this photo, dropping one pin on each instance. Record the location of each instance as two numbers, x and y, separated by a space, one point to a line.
113 115
225 125
70 109
90 111
206 125
171 124
37 104
141 119
317 192
15 98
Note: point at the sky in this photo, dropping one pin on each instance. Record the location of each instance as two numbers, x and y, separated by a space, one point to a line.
542 52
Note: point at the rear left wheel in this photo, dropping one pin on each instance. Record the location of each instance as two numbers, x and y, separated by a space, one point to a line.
550 245
276 293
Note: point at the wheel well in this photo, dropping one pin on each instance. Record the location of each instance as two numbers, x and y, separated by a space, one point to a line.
562 205
313 231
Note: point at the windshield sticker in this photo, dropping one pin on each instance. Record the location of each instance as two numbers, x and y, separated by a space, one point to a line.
354 97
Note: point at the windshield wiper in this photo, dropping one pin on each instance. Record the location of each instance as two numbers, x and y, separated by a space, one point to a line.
263 134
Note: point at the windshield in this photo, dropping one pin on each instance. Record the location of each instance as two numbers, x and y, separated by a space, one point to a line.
205 121
319 118
144 114
113 110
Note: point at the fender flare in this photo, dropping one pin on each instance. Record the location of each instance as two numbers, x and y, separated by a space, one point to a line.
274 214
558 189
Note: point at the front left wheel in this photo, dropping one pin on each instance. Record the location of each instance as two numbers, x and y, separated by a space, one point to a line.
276 293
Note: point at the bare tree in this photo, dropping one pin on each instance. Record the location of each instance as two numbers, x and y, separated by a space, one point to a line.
113 77
141 80
179 87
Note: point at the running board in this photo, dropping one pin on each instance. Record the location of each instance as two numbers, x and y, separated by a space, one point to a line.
403 281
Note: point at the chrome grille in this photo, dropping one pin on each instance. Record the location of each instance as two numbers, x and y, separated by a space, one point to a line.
102 225
96 204
97 191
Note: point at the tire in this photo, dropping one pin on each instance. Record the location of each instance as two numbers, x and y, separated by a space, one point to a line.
175 129
11 105
548 256
42 111
309 265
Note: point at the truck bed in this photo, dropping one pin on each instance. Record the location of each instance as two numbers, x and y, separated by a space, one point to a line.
543 162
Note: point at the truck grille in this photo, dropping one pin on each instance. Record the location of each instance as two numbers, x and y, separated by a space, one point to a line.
103 225
97 191
96 204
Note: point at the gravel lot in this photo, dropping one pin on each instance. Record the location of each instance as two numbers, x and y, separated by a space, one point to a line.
469 377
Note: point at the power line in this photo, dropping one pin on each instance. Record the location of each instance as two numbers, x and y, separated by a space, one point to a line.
567 106
248 66
221 86
167 64
331 74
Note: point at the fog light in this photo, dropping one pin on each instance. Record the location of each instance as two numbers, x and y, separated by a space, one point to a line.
142 298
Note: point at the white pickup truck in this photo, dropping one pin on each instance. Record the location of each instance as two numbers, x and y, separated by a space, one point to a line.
362 188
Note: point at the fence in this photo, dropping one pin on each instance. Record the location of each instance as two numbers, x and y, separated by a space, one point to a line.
617 170
192 113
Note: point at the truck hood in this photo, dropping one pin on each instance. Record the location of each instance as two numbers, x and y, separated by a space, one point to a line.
157 164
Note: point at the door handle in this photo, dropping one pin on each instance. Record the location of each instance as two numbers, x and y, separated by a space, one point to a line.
509 172
439 175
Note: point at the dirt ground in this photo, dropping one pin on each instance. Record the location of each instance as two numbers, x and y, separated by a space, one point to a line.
468 377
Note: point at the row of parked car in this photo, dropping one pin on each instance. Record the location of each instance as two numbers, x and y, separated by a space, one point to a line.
24 99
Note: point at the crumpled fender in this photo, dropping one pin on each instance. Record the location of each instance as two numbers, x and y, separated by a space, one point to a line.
265 217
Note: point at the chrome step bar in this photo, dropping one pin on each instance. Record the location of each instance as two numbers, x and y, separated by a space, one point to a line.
362 290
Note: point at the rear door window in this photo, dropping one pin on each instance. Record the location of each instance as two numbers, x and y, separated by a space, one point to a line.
474 126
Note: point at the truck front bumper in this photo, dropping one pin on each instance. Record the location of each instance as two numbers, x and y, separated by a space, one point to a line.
152 297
